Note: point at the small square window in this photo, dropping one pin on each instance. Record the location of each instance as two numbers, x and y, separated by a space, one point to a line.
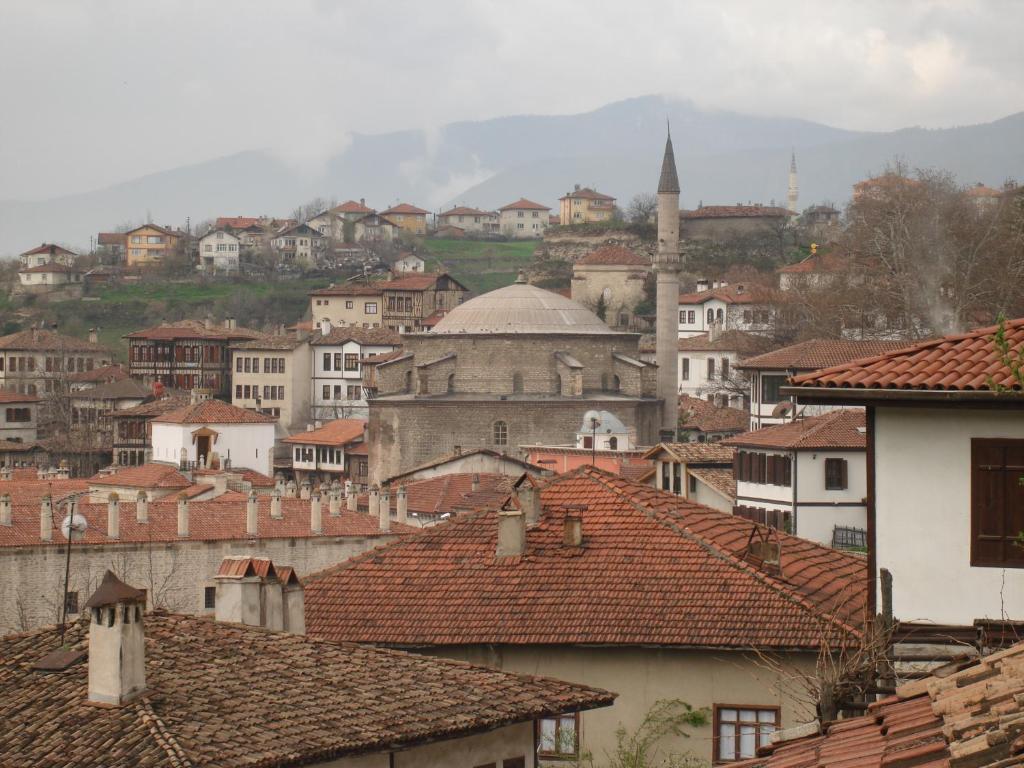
209 598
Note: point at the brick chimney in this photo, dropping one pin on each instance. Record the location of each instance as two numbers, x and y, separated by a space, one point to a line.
402 504
113 516
385 510
142 507
251 514
573 533
511 533
46 519
183 517
275 505
316 515
117 649
5 510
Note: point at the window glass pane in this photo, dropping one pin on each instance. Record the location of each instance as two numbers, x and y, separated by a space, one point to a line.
766 716
726 741
547 735
748 741
748 716
727 715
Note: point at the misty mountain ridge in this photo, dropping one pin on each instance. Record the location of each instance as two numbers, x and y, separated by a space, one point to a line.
723 158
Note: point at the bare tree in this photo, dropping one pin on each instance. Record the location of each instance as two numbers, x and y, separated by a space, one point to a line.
641 208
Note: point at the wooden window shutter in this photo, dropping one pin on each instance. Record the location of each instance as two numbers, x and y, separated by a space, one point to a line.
736 465
843 481
997 502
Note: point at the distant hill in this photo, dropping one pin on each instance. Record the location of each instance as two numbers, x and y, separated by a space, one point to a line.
724 157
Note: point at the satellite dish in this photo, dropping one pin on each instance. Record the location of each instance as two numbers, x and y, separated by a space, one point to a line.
74 524
785 408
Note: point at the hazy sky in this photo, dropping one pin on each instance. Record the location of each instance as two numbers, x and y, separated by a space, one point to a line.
98 91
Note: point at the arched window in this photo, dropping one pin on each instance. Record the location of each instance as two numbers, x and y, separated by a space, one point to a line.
604 382
613 443
517 383
558 384
616 384
408 382
451 383
711 315
718 315
500 433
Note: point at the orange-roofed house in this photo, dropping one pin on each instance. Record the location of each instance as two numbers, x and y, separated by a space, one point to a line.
523 219
594 579
945 448
408 218
727 307
610 281
323 454
722 222
585 206
149 244
47 253
471 220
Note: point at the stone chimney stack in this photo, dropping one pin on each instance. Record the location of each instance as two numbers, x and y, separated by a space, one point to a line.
117 648
113 516
252 511
220 484
290 490
351 497
373 503
238 592
385 510
666 269
402 503
511 533
325 327
294 600
474 484
94 336
142 507
46 519
334 499
306 489
6 517
183 517
529 502
316 515
573 536
275 505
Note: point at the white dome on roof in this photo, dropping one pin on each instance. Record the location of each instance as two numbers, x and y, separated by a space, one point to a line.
521 308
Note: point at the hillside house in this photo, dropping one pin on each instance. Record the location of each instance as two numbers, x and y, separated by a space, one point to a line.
523 219
749 308
47 253
708 365
329 452
726 222
408 218
338 356
149 244
299 244
374 228
585 206
219 251
270 375
52 277
469 220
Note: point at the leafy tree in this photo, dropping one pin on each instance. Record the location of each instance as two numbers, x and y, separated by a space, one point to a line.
639 748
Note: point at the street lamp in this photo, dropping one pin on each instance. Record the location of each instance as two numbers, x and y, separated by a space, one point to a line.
73 524
595 421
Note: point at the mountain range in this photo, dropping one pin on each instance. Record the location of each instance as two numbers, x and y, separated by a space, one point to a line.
723 158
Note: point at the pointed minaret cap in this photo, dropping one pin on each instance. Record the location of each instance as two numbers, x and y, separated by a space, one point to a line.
792 162
669 181
112 590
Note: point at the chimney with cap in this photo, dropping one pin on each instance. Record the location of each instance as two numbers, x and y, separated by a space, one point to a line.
117 659
113 516
290 490
5 510
46 519
529 502
573 534
474 483
402 504
316 515
351 497
94 336
251 514
220 484
142 507
238 591
294 599
373 502
511 533
306 489
275 505
325 327
334 499
183 516
385 510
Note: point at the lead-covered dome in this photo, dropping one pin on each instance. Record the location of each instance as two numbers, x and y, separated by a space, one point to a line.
521 308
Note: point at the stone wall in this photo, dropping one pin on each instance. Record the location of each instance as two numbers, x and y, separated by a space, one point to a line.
571 244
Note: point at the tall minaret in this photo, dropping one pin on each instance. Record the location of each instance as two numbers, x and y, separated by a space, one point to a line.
791 196
666 269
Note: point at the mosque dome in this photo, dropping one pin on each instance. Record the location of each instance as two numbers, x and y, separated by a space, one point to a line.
521 308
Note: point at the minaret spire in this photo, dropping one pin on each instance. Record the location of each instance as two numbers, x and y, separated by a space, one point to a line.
666 269
793 193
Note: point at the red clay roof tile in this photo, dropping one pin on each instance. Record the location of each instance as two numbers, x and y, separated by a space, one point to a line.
334 433
841 430
819 353
213 412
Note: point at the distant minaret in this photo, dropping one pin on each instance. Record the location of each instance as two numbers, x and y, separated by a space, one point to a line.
666 269
791 197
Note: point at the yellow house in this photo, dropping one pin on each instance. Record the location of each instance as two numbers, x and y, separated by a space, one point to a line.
409 218
584 205
149 244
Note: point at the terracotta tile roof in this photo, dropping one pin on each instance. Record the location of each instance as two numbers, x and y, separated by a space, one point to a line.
464 211
155 407
636 470
7 396
823 261
967 714
735 212
27 488
351 206
519 464
586 193
980 190
233 696
405 208
417 282
104 373
653 569
841 430
349 289
741 342
111 238
193 329
236 222
740 293
450 494
49 268
819 353
615 255
49 248
42 340
359 449
703 416
522 204
335 433
722 480
383 357
282 343
961 362
213 412
124 389
696 453
370 337
215 519
152 475
256 479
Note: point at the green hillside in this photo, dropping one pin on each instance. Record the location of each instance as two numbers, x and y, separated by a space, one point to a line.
479 265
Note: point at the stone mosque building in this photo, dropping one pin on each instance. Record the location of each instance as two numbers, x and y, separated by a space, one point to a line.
522 365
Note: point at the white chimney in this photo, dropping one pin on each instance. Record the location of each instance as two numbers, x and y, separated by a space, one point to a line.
46 519
511 533
113 516
334 499
275 505
279 482
529 502
351 497
251 514
305 489
402 502
142 507
373 504
316 515
573 535
117 647
290 490
294 609
183 517
5 510
385 510
220 484
94 337
475 483
238 592
325 327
